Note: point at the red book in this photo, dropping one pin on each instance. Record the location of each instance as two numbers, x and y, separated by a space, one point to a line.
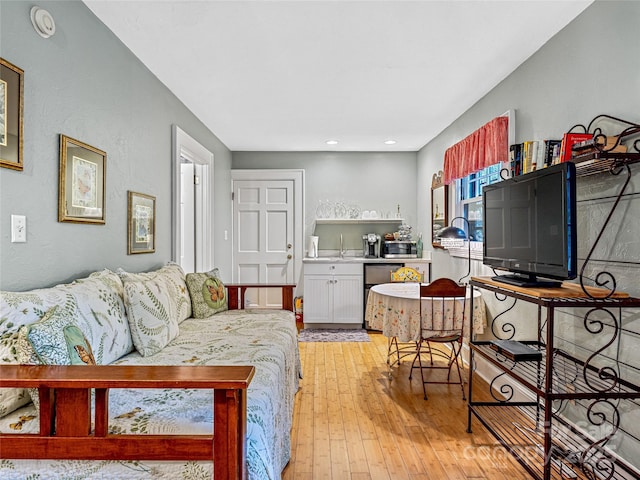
569 140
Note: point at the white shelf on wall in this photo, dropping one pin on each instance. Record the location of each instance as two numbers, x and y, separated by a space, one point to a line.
346 221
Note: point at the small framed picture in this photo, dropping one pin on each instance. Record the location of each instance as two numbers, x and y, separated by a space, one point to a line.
11 118
141 230
81 195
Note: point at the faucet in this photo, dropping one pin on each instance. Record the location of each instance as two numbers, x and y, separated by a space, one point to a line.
342 251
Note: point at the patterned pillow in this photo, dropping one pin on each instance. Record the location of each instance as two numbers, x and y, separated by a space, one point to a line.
52 340
151 314
208 294
173 280
78 347
97 300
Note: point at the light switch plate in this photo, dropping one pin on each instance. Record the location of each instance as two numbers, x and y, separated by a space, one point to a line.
18 228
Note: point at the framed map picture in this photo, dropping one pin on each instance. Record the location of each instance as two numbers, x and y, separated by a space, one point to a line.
141 230
81 195
11 113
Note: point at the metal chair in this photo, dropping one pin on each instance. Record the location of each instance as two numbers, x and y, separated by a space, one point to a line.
439 296
406 274
402 350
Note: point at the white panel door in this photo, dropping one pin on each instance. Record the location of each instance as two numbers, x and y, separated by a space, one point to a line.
263 235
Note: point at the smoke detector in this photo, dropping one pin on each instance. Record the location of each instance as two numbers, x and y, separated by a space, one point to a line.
42 22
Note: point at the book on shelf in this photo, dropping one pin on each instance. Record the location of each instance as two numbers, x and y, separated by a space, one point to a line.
607 144
539 155
551 152
533 155
515 158
568 141
527 156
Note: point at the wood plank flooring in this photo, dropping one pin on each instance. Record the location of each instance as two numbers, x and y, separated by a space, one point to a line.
352 423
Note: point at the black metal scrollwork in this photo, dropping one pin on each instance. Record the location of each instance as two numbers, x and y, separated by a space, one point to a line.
595 462
507 328
608 375
505 389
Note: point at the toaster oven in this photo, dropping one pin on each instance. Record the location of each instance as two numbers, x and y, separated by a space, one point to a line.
399 249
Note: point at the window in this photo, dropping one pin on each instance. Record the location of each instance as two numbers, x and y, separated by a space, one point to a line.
469 198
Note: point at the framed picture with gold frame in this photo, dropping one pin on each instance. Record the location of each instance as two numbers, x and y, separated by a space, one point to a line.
141 225
11 115
81 192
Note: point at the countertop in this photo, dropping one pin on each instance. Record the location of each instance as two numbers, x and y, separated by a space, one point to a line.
356 259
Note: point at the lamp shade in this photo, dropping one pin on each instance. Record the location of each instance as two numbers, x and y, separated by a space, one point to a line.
454 237
451 232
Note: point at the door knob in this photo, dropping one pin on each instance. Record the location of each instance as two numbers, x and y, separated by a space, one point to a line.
289 257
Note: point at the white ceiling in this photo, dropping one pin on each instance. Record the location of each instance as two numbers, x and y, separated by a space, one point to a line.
289 75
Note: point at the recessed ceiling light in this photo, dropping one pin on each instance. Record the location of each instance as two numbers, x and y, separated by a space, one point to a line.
389 142
332 142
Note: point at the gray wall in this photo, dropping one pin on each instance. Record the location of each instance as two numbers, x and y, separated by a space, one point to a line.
84 83
589 68
566 82
373 180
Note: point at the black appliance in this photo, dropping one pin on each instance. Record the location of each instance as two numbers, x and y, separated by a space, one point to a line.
399 249
376 273
530 226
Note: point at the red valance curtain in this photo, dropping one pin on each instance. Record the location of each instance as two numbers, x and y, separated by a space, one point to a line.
486 146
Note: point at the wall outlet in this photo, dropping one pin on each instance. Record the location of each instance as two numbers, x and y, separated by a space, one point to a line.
18 228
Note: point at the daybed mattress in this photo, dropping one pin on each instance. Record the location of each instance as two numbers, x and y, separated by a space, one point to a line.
266 339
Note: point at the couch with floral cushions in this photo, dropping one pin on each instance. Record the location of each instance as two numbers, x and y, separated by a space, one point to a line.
159 318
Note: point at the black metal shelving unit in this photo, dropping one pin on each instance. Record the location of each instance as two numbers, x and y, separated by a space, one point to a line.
544 442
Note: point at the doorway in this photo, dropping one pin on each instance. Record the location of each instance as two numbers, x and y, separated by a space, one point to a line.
192 209
268 223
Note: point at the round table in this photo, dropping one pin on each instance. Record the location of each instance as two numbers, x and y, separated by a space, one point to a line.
394 308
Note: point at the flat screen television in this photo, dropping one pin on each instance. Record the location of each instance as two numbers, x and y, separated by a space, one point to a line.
530 227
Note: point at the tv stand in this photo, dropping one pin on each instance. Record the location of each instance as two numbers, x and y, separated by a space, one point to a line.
535 426
526 281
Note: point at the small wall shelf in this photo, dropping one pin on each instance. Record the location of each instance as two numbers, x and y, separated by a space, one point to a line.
355 221
600 162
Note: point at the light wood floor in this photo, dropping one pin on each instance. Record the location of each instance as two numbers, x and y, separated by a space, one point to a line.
351 423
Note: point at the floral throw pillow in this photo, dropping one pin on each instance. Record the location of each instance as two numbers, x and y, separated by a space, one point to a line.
208 294
152 316
52 340
47 337
171 276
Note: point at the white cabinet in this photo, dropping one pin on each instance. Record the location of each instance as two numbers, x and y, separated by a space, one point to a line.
317 307
333 293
